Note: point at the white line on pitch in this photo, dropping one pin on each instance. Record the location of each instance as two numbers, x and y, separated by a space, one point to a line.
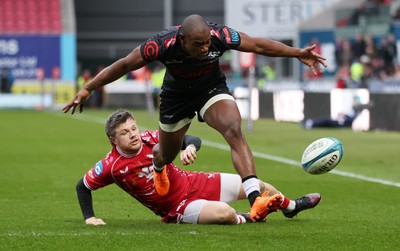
295 163
29 234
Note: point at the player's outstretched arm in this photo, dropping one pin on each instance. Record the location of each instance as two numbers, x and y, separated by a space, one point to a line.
131 62
86 203
273 48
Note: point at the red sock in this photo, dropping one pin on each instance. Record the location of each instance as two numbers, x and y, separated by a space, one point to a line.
285 203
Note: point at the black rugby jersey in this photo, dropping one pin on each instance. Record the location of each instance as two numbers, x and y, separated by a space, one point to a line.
183 71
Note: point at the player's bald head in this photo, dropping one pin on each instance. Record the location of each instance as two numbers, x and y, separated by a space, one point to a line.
194 24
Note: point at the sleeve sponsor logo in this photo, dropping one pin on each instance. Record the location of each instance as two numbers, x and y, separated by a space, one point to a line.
98 168
151 50
90 173
234 35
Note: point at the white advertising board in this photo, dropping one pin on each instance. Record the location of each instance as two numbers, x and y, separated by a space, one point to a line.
274 19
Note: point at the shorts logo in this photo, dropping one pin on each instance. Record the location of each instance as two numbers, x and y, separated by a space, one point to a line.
151 50
98 168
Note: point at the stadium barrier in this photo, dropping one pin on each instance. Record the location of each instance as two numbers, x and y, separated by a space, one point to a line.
289 101
297 105
128 94
35 94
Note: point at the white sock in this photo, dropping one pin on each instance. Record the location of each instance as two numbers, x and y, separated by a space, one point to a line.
291 206
250 186
240 219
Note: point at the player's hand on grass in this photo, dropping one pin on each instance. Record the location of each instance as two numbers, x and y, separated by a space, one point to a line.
312 59
188 156
79 99
94 221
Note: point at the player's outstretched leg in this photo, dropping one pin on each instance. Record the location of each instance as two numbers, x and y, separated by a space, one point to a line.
306 202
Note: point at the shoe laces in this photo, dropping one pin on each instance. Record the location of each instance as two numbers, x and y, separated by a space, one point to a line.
302 202
272 208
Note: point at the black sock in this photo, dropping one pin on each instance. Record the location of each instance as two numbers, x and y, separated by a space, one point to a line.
252 197
158 169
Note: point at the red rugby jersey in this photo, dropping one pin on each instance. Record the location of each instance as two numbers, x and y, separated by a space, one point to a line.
134 174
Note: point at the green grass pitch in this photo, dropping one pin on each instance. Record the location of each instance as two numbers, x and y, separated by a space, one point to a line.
43 155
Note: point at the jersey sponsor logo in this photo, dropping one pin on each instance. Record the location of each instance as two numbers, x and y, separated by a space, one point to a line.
195 74
151 50
213 54
124 171
98 168
174 61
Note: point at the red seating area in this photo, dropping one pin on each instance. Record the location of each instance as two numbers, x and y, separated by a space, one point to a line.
30 16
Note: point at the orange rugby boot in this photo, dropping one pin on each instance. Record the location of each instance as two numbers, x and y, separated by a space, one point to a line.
265 204
161 182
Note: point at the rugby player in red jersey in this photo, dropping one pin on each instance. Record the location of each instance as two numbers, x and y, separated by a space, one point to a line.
194 84
193 197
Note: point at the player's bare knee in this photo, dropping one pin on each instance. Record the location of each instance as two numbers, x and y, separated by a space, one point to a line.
226 215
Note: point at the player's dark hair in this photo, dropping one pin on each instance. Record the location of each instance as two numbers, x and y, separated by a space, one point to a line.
115 119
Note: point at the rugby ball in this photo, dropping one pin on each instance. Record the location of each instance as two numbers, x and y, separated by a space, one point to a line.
322 155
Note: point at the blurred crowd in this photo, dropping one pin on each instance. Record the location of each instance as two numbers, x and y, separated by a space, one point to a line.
364 58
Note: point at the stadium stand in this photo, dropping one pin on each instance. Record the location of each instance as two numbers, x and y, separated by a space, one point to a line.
30 17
